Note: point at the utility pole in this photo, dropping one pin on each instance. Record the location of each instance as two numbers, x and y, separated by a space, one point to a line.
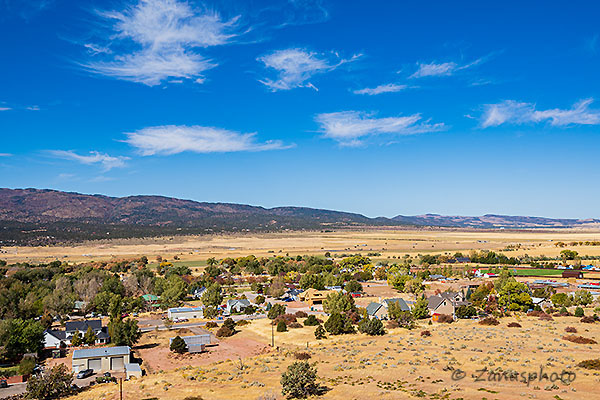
272 335
120 388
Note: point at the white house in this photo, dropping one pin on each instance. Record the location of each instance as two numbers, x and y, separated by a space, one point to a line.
236 305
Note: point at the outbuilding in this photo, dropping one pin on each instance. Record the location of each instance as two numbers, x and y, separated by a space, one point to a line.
104 359
185 312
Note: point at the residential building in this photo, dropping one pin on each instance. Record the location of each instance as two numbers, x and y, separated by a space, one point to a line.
314 296
236 305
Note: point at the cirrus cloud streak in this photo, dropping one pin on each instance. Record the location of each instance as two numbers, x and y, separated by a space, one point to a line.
174 139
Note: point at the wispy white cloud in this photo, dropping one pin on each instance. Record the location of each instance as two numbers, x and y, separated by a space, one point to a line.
445 68
518 113
97 49
5 155
5 108
94 157
296 66
386 88
173 139
33 108
155 40
349 128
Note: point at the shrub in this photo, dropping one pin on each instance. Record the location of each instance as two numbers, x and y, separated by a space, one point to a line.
242 322
535 313
571 329
579 339
465 312
299 381
489 321
338 324
546 317
230 323
301 314
514 325
320 333
392 324
372 327
259 299
445 318
405 320
54 384
579 312
224 331
588 320
311 321
302 355
295 325
211 324
178 345
281 326
590 364
425 333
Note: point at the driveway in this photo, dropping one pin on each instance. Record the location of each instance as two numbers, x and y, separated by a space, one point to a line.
13 389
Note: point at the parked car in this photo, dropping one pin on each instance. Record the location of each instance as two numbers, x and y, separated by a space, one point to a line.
85 373
107 374
3 383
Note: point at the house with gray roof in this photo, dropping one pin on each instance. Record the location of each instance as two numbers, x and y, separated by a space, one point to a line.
380 310
236 305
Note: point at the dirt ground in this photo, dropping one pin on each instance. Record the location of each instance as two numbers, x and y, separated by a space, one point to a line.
389 242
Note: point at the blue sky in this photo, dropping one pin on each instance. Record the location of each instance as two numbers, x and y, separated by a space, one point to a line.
377 107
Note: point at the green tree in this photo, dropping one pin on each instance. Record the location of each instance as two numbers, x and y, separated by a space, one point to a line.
338 324
560 299
568 254
579 312
276 311
175 290
26 366
514 296
338 302
583 298
90 337
52 385
299 381
260 299
421 308
19 336
178 345
76 340
353 287
212 296
372 327
398 281
124 332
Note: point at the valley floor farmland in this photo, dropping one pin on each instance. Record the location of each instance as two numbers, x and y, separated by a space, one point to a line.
389 243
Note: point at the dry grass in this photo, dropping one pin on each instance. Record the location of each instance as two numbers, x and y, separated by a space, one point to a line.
399 365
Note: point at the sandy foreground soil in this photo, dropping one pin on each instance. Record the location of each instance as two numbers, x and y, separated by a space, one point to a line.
390 243
399 365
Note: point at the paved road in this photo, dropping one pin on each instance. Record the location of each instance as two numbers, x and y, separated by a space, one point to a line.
161 327
13 389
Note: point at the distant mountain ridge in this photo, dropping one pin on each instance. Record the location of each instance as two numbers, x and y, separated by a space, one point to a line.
37 216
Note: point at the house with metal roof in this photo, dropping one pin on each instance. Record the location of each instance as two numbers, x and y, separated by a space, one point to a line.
103 359
381 310
185 312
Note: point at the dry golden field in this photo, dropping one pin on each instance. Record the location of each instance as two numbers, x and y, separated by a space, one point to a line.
399 365
389 242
